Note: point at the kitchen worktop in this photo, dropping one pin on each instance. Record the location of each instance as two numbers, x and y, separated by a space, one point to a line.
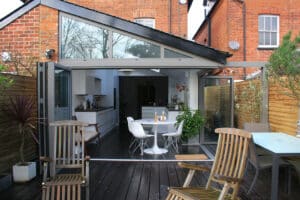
95 109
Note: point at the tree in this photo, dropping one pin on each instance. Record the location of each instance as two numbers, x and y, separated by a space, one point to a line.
284 65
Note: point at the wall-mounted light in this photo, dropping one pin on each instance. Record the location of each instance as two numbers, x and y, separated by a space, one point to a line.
49 53
5 56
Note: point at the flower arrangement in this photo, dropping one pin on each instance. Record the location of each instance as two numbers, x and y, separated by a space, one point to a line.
181 87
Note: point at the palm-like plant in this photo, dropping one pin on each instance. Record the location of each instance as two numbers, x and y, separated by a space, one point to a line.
20 110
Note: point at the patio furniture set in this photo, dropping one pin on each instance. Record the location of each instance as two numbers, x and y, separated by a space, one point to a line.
235 150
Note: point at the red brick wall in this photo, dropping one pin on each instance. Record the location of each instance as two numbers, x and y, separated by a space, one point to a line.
49 37
28 37
22 36
227 22
227 25
132 9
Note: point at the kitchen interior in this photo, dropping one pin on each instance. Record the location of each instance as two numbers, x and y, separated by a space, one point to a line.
107 96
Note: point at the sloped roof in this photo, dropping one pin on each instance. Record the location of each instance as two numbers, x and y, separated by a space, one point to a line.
123 25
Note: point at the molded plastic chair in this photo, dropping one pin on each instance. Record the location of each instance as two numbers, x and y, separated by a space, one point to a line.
129 121
172 138
140 135
67 158
228 168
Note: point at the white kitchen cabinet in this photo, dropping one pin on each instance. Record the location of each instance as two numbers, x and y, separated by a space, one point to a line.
82 83
104 119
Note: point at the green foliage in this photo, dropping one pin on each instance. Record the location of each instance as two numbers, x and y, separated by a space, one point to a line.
284 65
5 81
248 102
193 121
19 113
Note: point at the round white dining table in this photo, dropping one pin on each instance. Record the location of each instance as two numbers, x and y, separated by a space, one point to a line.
155 149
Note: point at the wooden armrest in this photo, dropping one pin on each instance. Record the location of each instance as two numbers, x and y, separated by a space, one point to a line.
194 167
45 159
228 179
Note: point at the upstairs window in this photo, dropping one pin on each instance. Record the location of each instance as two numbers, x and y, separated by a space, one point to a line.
268 30
150 22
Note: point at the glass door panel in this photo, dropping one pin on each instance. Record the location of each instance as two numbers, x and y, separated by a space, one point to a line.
62 93
216 101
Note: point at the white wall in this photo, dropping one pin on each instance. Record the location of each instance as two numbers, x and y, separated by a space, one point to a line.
193 90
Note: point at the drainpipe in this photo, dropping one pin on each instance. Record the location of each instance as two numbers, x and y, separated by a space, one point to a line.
209 31
244 33
170 16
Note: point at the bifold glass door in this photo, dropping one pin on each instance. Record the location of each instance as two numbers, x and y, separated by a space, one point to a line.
216 102
54 85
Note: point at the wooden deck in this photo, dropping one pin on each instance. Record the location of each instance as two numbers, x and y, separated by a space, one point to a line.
146 180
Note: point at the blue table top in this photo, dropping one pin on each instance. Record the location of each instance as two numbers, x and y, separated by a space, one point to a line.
279 143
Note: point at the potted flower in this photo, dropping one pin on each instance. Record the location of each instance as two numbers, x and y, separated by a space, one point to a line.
193 121
19 112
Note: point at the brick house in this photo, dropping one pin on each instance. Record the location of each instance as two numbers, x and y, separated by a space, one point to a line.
249 30
31 32
77 38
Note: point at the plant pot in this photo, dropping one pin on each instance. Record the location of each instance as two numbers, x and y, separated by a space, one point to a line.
194 140
24 173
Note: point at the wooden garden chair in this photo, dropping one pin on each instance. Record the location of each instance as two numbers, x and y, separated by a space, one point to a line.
228 168
69 162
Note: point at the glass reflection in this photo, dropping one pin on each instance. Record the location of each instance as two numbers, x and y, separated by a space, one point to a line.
127 47
80 40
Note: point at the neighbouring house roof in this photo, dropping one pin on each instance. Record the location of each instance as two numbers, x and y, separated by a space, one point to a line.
123 25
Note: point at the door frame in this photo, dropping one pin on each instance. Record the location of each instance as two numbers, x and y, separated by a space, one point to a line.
46 103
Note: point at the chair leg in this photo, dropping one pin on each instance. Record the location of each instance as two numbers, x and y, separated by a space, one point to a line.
132 143
224 191
253 182
142 146
189 178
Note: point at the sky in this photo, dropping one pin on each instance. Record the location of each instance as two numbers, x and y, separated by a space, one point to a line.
195 16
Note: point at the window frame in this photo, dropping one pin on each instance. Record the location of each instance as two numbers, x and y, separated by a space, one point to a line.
269 46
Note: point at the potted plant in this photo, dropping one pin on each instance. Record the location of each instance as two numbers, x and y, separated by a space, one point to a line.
193 121
19 112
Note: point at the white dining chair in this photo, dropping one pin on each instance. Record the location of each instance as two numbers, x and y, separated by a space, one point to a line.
134 140
140 136
172 138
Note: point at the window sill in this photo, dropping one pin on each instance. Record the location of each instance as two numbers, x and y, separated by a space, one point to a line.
266 48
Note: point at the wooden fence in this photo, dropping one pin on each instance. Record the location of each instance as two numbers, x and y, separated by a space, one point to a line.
282 109
9 137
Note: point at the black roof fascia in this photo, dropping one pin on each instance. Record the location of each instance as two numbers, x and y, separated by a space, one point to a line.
206 18
18 12
139 30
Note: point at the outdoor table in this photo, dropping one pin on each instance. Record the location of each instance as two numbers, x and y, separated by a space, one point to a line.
155 149
279 145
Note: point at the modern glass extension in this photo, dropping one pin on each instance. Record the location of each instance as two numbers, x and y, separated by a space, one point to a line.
84 40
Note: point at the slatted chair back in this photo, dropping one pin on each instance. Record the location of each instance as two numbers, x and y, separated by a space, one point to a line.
231 156
69 145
